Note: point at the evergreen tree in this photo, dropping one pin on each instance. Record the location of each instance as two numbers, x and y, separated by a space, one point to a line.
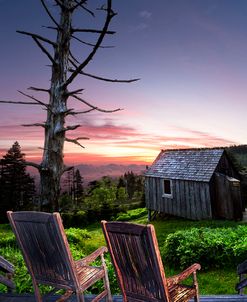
78 184
121 194
130 180
17 187
121 182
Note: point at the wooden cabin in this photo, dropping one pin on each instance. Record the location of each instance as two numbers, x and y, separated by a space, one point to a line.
195 184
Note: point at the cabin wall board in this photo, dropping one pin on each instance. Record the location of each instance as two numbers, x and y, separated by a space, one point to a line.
190 199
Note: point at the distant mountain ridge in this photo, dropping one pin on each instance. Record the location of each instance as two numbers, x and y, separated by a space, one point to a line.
93 172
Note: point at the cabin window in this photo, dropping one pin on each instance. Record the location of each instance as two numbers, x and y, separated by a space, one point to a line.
167 188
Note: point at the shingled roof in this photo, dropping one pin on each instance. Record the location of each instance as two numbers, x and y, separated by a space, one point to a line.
186 164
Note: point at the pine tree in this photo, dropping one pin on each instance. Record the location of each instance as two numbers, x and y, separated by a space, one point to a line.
130 183
17 187
78 181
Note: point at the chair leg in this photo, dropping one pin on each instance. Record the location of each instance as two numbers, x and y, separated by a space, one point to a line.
107 288
196 298
80 297
64 297
106 280
38 297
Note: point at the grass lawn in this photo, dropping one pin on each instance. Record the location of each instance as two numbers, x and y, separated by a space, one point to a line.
214 281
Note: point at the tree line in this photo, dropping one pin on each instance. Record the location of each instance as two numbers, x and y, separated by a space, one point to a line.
106 195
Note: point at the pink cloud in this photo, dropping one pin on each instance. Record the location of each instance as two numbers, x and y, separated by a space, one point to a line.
112 136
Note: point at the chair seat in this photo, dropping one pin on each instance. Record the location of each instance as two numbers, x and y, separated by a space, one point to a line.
87 275
181 292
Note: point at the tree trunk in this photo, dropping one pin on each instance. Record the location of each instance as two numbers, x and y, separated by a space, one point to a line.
52 165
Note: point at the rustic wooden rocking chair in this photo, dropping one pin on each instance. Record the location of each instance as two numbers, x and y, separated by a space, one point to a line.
136 258
45 248
7 272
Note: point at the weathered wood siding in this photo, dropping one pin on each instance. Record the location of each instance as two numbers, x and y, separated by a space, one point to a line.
226 167
190 199
227 199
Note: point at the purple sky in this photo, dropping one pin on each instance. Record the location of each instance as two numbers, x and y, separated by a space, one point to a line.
190 56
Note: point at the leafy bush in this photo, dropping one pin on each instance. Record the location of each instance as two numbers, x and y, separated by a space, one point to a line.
21 277
79 218
77 236
132 214
7 240
209 247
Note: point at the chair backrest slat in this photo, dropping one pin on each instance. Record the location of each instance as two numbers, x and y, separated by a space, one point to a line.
136 260
44 246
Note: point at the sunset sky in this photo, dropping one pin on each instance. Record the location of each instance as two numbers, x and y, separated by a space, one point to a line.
190 56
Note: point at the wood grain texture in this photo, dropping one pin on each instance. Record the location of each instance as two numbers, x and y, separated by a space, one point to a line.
45 249
136 258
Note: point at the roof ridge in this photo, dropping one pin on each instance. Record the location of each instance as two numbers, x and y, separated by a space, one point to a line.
194 149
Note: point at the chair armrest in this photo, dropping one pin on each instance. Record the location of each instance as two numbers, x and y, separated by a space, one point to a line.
6 266
183 275
241 285
7 281
90 258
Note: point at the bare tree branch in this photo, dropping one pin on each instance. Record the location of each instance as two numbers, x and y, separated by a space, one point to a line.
68 128
72 62
89 44
44 50
82 138
98 43
91 30
37 37
32 164
33 98
60 3
19 103
105 79
38 89
73 57
69 93
51 27
80 3
34 125
49 13
76 140
67 168
81 112
94 107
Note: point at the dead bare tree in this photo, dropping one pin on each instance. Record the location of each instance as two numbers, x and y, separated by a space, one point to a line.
65 68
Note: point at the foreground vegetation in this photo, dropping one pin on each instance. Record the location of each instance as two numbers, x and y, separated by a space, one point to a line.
217 245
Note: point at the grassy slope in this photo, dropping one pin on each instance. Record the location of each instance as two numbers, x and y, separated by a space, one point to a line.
218 281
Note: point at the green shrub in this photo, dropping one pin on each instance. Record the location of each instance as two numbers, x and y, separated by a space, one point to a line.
132 214
77 236
209 247
77 219
8 240
21 277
